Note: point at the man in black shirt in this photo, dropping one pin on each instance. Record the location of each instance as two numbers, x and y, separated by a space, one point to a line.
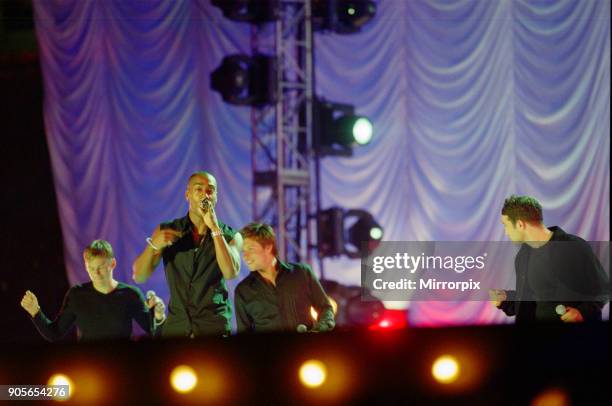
277 296
550 263
102 308
199 253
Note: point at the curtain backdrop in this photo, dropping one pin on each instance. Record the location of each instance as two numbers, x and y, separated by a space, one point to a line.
471 100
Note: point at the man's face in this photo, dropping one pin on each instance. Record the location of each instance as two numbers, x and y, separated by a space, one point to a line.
100 269
256 256
516 232
199 187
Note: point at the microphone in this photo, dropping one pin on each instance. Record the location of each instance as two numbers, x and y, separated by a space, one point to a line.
205 204
301 328
560 310
151 295
158 303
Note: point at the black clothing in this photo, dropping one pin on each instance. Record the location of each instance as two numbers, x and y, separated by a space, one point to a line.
556 270
261 306
199 303
98 315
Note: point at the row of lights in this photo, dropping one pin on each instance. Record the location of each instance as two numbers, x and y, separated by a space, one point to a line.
317 377
312 374
340 16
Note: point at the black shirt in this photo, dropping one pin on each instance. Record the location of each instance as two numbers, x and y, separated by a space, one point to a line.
98 315
261 306
561 270
199 303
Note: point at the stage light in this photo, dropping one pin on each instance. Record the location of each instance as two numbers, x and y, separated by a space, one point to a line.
445 369
354 14
342 16
250 11
552 397
364 235
62 380
353 233
313 373
337 129
183 379
376 233
246 80
363 131
392 319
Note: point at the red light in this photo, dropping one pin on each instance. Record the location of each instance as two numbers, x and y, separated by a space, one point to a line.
392 319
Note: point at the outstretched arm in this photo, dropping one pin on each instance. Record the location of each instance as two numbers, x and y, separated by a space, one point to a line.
50 330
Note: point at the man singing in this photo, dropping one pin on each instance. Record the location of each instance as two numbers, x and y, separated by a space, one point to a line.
277 296
199 253
549 262
102 308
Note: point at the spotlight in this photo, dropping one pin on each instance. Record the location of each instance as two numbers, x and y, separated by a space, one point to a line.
364 235
246 80
552 396
183 379
250 11
445 369
392 319
353 233
62 380
337 128
313 373
342 16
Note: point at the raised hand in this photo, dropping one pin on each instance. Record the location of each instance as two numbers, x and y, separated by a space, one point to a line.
30 303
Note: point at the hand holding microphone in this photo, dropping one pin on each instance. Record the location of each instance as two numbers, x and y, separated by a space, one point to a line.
568 314
207 212
205 204
154 301
318 328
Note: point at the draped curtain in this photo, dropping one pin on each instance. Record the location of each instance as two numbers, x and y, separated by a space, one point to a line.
471 100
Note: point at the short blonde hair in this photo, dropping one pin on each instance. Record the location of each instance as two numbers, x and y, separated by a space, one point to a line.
98 249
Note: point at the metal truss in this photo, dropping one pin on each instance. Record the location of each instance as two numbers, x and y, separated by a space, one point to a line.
281 149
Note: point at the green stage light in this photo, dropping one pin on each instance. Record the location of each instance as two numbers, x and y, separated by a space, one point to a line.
363 131
337 129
